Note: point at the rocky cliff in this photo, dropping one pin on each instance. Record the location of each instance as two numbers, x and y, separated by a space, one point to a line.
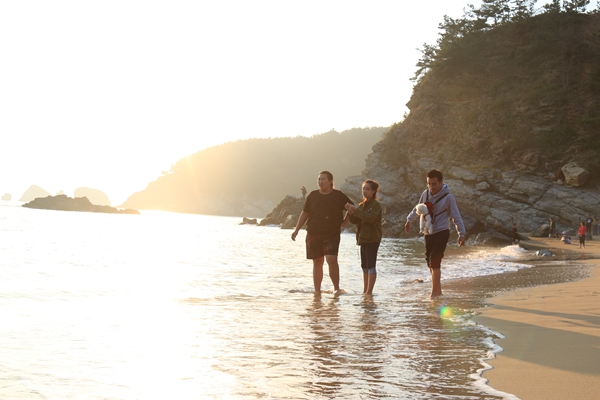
510 113
512 119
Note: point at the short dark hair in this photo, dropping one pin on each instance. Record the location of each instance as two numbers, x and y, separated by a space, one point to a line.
434 173
329 175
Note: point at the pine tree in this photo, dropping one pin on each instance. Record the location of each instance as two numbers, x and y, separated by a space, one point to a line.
575 6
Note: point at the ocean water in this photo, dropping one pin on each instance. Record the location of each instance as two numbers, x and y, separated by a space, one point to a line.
176 306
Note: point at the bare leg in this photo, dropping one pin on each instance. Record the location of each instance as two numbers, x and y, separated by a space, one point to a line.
372 278
334 271
365 282
436 285
318 273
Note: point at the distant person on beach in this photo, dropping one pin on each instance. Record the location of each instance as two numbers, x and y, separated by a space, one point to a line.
303 190
595 225
515 234
582 231
445 210
367 217
588 225
552 231
323 213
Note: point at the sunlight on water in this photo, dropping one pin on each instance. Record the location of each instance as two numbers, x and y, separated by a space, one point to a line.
163 305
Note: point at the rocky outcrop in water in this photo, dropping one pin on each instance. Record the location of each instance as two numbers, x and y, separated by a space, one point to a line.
95 196
285 214
33 192
64 203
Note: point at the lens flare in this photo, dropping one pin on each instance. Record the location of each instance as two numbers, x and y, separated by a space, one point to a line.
446 312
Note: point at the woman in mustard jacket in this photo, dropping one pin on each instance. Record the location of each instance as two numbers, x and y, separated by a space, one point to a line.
367 217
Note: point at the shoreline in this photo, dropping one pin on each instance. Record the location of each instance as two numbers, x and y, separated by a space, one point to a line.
551 335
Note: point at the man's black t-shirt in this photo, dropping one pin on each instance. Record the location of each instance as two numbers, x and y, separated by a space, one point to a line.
325 212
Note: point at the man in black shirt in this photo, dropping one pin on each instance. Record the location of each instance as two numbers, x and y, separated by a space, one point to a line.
323 213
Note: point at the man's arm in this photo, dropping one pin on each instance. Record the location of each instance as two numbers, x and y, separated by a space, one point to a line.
409 219
413 214
301 221
454 213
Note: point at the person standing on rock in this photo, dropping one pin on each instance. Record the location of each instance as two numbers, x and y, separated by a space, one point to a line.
323 213
444 211
552 231
588 225
515 234
367 217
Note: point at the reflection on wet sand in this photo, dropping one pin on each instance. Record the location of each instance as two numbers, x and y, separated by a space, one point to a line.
346 349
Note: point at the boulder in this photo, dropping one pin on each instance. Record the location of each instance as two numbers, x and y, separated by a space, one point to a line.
249 221
290 205
542 231
482 186
575 175
6 197
490 238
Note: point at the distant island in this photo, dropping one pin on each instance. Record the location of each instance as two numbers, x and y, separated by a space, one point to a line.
62 202
33 192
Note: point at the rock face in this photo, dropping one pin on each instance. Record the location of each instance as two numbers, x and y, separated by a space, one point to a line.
95 196
64 203
526 198
33 192
511 120
575 175
6 197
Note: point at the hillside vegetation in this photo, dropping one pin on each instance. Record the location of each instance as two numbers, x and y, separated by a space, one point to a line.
504 87
249 177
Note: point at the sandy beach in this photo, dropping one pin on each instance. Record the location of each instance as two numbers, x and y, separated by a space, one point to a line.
552 335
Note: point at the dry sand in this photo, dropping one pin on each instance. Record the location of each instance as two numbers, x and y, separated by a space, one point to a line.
552 336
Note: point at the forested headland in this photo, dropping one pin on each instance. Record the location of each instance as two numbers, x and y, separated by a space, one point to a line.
249 177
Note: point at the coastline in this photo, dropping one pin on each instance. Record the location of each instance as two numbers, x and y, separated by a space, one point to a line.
551 344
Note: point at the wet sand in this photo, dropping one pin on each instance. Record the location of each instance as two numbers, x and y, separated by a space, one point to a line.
552 334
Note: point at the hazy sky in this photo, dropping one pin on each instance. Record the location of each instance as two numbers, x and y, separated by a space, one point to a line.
108 94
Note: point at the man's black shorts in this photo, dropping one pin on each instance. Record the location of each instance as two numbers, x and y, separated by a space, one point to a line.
318 246
435 245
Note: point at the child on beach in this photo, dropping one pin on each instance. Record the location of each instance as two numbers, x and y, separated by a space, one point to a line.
565 238
582 231
367 217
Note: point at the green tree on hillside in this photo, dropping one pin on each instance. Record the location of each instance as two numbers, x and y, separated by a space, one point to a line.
577 6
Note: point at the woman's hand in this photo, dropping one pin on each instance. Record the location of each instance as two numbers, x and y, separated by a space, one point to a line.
350 208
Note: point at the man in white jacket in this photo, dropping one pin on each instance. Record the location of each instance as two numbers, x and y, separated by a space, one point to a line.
444 211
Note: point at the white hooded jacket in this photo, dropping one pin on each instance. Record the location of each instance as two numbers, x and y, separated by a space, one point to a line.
445 211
